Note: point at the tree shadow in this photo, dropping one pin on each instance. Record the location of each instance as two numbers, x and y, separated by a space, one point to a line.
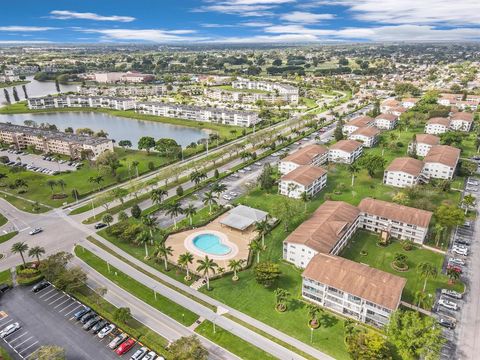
328 320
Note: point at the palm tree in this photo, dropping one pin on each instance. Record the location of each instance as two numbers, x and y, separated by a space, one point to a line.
206 266
256 247
62 184
426 270
173 210
209 199
184 260
468 201
157 195
281 297
219 188
190 211
20 248
163 251
135 165
36 252
305 198
144 237
453 274
353 169
96 180
438 230
263 227
151 223
235 265
52 183
313 313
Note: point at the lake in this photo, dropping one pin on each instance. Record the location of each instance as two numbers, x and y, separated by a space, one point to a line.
118 128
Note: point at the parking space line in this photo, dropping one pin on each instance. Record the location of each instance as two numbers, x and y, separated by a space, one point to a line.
52 296
18 337
54 301
48 292
56 306
66 307
10 335
9 321
36 342
33 352
16 346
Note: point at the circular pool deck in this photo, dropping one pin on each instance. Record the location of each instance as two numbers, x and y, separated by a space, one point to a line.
190 246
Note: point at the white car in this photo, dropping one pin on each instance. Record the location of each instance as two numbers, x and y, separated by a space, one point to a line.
10 329
448 304
258 164
140 353
241 171
456 261
247 168
35 231
232 193
150 356
452 293
458 251
226 197
106 330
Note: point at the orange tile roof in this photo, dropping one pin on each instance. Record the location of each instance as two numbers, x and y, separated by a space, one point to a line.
304 174
427 139
406 164
443 154
346 145
305 155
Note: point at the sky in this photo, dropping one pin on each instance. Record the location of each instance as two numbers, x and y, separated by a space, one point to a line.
238 21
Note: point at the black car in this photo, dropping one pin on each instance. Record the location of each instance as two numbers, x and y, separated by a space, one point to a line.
40 286
99 326
81 312
91 323
4 288
462 241
87 317
449 324
100 225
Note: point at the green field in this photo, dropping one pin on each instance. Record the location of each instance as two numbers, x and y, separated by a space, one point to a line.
3 220
6 277
8 236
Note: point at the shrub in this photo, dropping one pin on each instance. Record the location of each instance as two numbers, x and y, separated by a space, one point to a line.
23 281
27 273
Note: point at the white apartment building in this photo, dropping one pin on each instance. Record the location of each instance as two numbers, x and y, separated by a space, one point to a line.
9 78
389 104
78 101
368 136
357 123
422 144
305 179
314 154
461 121
119 91
408 103
244 97
326 231
398 221
470 102
437 125
403 172
129 76
345 151
288 93
397 111
352 289
197 113
386 121
441 162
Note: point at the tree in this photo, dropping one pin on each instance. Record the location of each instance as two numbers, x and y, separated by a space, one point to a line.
147 143
51 183
62 184
20 248
25 91
415 336
109 160
107 219
54 265
173 209
151 223
453 274
100 292
188 348
119 193
281 297
135 166
468 201
235 266
266 273
468 168
162 251
353 169
205 266
367 345
71 279
125 144
453 138
50 352
57 86
15 94
96 180
423 300
266 177
122 216
184 260
122 315
189 212
449 216
197 177
7 96
426 270
313 312
263 228
157 195
136 211
219 188
209 199
372 163
338 133
143 238
36 252
256 247
179 191
400 198
167 148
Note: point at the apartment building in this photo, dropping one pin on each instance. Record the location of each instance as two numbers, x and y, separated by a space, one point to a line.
197 113
460 101
408 103
351 289
120 91
368 136
305 179
78 101
461 121
437 125
403 172
345 151
357 123
388 104
397 111
287 92
422 144
9 78
243 97
386 121
53 141
314 154
129 76
327 231
441 162
398 221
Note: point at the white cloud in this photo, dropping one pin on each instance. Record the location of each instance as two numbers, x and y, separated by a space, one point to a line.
255 24
148 35
26 28
254 8
13 42
209 25
65 14
305 17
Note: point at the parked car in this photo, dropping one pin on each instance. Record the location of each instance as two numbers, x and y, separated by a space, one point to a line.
232 193
9 330
448 304
452 293
87 317
247 168
449 324
106 330
226 197
458 251
258 164
4 288
117 341
140 353
456 261
100 225
40 286
91 323
81 312
35 231
125 346
150 356
99 326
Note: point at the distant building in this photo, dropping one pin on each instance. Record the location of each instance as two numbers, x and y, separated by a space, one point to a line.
388 104
461 121
129 76
408 103
345 151
306 179
368 136
285 92
437 125
120 91
386 121
79 101
357 123
314 154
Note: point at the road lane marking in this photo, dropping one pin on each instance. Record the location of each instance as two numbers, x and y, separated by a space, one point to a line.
18 337
9 321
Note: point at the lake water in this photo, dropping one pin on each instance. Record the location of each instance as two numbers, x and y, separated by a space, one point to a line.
118 128
36 88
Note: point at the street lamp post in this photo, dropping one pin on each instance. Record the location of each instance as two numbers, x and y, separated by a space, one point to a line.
311 335
93 209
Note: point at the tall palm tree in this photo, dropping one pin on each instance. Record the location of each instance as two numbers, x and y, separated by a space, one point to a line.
235 265
184 260
438 230
163 251
151 223
353 169
190 211
52 183
20 248
256 247
173 210
209 199
96 180
206 266
468 201
157 195
426 270
62 184
219 188
143 238
135 165
305 198
263 227
36 252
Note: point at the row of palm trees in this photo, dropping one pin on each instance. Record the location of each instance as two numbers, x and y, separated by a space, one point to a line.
22 248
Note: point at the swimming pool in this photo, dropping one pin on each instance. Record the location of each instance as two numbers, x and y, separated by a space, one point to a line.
211 244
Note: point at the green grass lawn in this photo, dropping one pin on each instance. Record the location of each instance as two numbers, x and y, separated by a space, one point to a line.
3 220
230 88
8 236
6 277
381 258
4 355
13 83
22 204
161 303
232 343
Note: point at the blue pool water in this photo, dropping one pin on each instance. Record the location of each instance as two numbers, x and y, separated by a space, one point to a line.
211 244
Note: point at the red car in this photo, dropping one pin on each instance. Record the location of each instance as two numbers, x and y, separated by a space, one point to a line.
125 347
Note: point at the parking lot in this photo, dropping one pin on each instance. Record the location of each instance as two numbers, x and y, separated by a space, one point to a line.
37 161
46 318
